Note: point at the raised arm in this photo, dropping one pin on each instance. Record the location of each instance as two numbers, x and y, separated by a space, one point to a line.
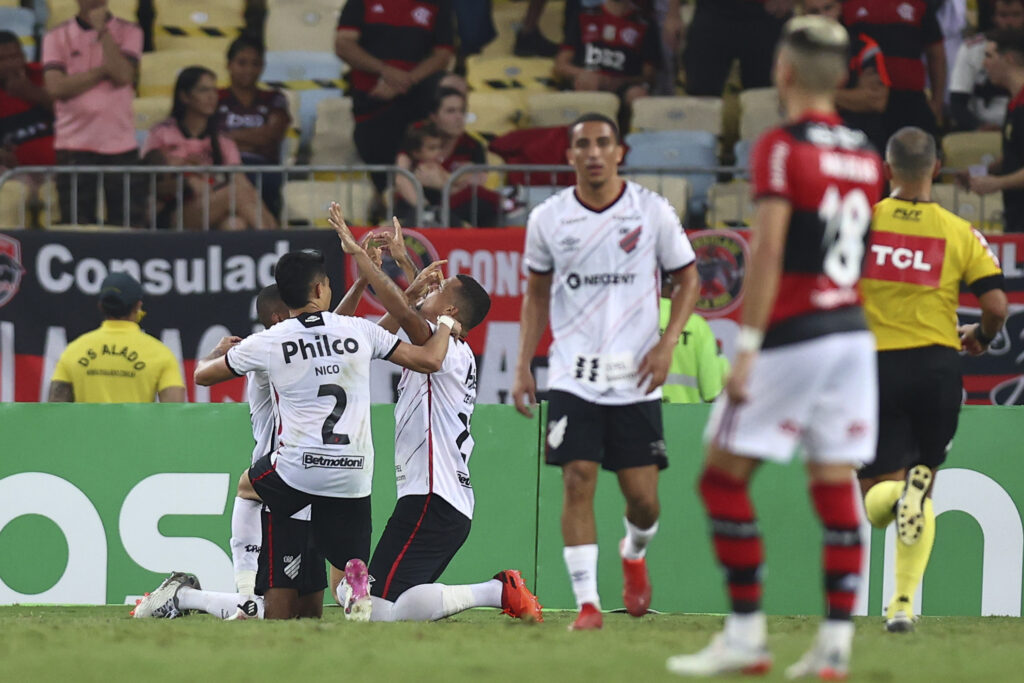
214 368
428 357
350 301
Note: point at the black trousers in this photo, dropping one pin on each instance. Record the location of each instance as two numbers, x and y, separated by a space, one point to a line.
83 190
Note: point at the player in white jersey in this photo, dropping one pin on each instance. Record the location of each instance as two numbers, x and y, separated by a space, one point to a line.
318 364
594 251
433 447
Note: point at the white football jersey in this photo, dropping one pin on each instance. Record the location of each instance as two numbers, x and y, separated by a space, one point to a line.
319 369
605 287
987 101
432 439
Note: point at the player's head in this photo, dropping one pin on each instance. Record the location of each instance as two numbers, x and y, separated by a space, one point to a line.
811 57
910 156
302 280
121 297
270 310
1004 56
594 149
423 142
833 9
1009 14
461 297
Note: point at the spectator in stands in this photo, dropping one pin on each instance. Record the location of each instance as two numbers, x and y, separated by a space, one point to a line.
530 42
612 48
256 119
398 52
724 30
976 103
906 32
191 137
89 66
1004 62
26 109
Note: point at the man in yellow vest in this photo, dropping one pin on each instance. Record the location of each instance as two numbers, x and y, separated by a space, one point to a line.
117 363
697 373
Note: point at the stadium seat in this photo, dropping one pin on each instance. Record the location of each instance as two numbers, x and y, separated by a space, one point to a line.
301 25
306 202
742 150
151 110
673 149
188 24
673 188
309 102
159 70
759 110
493 113
677 113
562 108
22 23
984 212
510 73
729 205
332 133
962 150
14 201
302 70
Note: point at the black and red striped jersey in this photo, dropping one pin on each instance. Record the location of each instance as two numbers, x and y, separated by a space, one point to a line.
866 54
613 45
903 29
831 177
400 33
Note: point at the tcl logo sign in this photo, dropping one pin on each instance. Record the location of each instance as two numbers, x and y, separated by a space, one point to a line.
905 258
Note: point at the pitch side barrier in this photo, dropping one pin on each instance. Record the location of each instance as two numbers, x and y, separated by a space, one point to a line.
147 190
99 510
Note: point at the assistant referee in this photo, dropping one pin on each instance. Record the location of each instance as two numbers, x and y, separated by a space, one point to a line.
918 255
118 362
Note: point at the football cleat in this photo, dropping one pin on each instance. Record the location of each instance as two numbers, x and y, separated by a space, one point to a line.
910 506
589 618
162 603
636 586
829 657
722 656
357 603
516 599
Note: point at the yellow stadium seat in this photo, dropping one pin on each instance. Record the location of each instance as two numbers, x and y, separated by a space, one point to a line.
675 189
504 73
302 25
332 133
306 202
159 70
759 111
984 212
151 110
962 150
493 113
562 108
729 205
186 25
678 113
14 205
62 10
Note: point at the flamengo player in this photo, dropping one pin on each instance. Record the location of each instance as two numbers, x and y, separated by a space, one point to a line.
594 251
805 368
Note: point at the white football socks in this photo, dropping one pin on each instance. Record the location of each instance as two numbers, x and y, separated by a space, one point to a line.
221 605
433 601
634 546
581 561
246 537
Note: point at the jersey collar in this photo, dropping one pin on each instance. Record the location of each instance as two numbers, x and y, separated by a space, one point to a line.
602 209
831 118
119 325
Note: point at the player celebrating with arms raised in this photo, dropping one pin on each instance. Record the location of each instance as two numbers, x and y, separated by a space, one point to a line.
593 251
805 368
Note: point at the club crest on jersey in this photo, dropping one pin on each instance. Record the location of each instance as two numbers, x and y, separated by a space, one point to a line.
721 266
11 270
632 238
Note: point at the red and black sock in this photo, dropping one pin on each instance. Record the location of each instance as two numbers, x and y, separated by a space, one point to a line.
837 508
736 536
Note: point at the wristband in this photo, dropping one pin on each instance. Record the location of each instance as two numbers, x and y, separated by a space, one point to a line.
749 339
446 320
981 337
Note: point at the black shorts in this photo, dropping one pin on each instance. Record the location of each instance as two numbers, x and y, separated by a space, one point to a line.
618 437
419 541
919 396
288 557
341 526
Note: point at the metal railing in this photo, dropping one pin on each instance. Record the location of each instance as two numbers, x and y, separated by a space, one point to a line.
139 195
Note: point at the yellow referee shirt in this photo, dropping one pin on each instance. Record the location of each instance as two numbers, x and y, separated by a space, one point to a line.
117 363
917 257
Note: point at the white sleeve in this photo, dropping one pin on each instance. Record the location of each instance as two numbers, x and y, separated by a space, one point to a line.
537 254
674 249
964 73
383 342
250 355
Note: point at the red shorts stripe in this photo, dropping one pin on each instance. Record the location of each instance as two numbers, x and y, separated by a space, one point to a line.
398 560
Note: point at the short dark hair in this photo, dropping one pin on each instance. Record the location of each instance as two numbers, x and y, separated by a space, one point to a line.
7 37
472 301
246 42
911 152
417 133
268 302
1009 40
446 92
594 116
296 272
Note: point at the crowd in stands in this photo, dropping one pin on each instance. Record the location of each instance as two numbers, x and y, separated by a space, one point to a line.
432 86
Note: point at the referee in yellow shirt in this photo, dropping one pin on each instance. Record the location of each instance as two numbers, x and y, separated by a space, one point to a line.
117 363
918 255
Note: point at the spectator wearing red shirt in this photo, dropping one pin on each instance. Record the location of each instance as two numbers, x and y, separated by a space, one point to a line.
26 109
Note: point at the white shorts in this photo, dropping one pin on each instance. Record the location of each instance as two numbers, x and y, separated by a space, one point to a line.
821 394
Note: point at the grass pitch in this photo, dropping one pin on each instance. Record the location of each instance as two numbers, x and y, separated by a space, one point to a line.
84 644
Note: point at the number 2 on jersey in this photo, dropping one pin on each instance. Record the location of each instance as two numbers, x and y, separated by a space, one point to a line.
340 401
846 221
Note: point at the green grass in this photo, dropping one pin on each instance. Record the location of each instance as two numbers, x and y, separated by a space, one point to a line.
79 644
